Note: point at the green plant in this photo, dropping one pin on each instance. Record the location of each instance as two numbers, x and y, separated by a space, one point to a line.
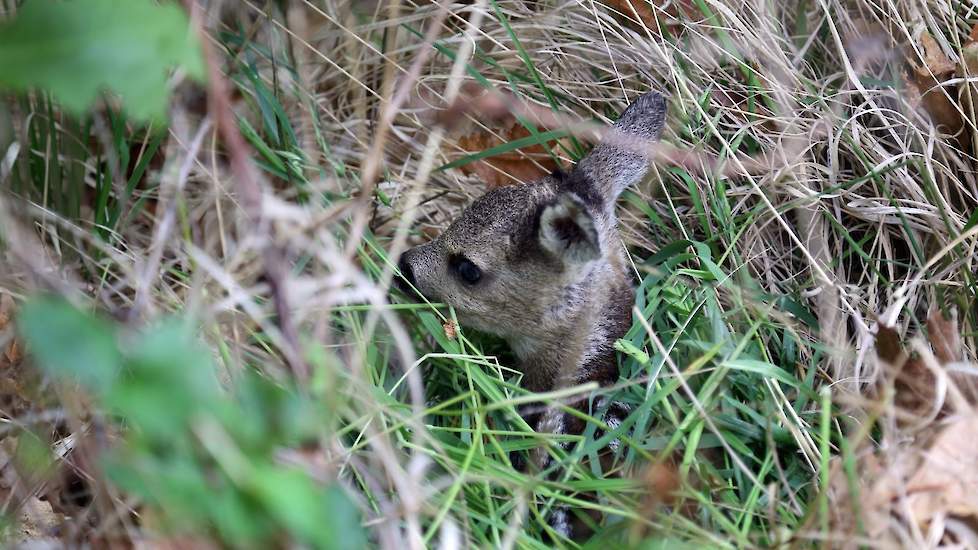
204 457
78 50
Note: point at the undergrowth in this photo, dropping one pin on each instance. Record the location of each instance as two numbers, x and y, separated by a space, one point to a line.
220 370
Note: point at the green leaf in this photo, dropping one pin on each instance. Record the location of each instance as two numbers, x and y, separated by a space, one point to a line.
629 348
78 49
70 343
537 139
170 378
33 455
764 369
322 516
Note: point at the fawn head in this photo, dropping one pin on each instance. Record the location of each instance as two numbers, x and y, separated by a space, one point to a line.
523 259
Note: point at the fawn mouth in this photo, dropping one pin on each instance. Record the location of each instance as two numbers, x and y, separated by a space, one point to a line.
406 283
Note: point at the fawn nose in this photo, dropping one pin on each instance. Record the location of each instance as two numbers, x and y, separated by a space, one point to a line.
407 274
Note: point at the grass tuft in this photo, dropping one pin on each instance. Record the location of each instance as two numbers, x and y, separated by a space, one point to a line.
751 366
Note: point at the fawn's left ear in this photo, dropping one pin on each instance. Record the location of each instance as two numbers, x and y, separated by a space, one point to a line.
622 158
567 231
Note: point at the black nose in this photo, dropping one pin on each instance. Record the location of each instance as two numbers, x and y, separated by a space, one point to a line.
407 274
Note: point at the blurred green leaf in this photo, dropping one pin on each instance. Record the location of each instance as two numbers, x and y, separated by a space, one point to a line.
639 355
183 432
70 343
764 369
342 520
170 378
33 455
78 49
324 517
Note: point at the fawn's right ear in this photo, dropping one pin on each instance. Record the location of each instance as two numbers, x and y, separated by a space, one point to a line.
622 158
567 231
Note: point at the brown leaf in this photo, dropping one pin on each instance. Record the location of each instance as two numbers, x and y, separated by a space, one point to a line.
662 480
13 352
7 306
918 480
488 106
947 480
451 329
935 62
661 483
888 346
944 337
914 385
969 58
924 88
969 54
914 389
523 165
663 15
632 7
36 522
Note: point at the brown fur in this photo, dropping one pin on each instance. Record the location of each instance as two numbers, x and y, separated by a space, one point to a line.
554 282
542 266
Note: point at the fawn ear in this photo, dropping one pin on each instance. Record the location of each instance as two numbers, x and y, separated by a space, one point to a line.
622 158
567 231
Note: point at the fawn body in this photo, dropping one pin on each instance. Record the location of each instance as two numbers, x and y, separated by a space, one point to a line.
541 265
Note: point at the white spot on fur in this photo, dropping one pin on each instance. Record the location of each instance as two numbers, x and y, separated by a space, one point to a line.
613 420
560 429
559 521
613 423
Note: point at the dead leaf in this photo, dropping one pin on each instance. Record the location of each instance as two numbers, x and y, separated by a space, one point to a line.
935 62
888 346
7 308
489 106
520 166
36 522
661 483
873 497
451 330
918 481
922 477
631 8
655 14
924 89
969 54
947 480
969 92
944 337
914 384
662 480
154 541
13 353
914 391
13 397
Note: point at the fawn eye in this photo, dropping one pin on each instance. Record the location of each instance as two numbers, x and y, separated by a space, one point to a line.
467 271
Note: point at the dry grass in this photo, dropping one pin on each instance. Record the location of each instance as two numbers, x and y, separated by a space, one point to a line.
805 155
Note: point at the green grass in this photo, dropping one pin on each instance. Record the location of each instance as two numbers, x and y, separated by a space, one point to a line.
727 367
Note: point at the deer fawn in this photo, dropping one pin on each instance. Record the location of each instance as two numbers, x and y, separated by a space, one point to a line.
541 266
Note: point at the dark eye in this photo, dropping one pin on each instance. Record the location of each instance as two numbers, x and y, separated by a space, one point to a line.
468 271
